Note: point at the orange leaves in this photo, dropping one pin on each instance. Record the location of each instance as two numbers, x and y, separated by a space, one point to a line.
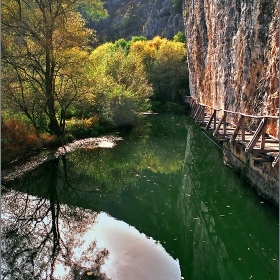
17 138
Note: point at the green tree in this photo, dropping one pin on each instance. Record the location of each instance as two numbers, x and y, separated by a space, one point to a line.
180 37
165 64
122 88
169 72
37 39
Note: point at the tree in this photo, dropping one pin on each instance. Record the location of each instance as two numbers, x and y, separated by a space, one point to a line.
38 67
121 83
180 37
165 64
169 73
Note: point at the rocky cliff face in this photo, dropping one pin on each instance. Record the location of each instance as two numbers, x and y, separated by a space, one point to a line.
148 18
233 50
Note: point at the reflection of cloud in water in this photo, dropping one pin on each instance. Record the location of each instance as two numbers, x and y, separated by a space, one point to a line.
131 254
83 236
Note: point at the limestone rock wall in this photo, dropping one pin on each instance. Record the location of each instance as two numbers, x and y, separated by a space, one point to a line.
232 49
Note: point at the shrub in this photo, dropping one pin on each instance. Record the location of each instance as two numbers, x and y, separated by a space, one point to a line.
180 37
18 138
83 128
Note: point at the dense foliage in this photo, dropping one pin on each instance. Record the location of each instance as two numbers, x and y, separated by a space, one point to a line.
43 42
53 81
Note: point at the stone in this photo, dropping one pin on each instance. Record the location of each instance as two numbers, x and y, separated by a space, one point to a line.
232 50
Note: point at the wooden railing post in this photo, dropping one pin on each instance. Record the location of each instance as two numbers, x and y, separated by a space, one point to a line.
262 140
195 105
240 124
213 117
222 120
198 113
196 110
243 131
203 114
258 133
225 124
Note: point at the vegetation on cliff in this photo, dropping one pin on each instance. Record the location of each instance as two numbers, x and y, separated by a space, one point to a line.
128 18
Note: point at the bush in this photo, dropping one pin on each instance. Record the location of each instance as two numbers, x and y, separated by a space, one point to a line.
18 138
83 128
180 37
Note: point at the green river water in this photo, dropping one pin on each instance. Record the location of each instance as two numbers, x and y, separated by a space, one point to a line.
161 202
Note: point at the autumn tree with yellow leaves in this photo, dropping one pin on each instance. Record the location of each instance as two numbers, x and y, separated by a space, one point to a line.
43 45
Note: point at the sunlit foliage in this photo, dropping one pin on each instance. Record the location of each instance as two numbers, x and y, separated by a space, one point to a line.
166 67
122 85
40 40
50 73
180 37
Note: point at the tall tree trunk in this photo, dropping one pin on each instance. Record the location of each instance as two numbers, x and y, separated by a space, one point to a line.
49 76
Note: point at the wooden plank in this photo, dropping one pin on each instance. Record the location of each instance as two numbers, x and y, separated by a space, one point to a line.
235 133
259 132
213 117
267 150
222 120
272 141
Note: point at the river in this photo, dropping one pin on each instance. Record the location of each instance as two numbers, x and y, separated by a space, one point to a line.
159 205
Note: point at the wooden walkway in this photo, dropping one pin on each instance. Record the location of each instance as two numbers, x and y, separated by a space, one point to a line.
258 141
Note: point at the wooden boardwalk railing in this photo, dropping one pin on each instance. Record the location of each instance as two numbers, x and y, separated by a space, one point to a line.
258 141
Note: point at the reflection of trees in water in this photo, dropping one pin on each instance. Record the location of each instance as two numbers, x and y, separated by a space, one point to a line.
39 234
112 171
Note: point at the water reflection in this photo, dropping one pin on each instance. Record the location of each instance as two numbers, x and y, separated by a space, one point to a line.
132 254
39 233
225 228
45 221
43 239
167 182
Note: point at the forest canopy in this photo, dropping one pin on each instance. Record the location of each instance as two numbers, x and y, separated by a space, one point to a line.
55 83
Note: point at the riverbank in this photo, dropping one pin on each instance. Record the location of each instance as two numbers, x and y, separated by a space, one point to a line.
16 170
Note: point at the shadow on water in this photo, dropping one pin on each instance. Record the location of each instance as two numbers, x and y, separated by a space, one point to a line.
170 195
